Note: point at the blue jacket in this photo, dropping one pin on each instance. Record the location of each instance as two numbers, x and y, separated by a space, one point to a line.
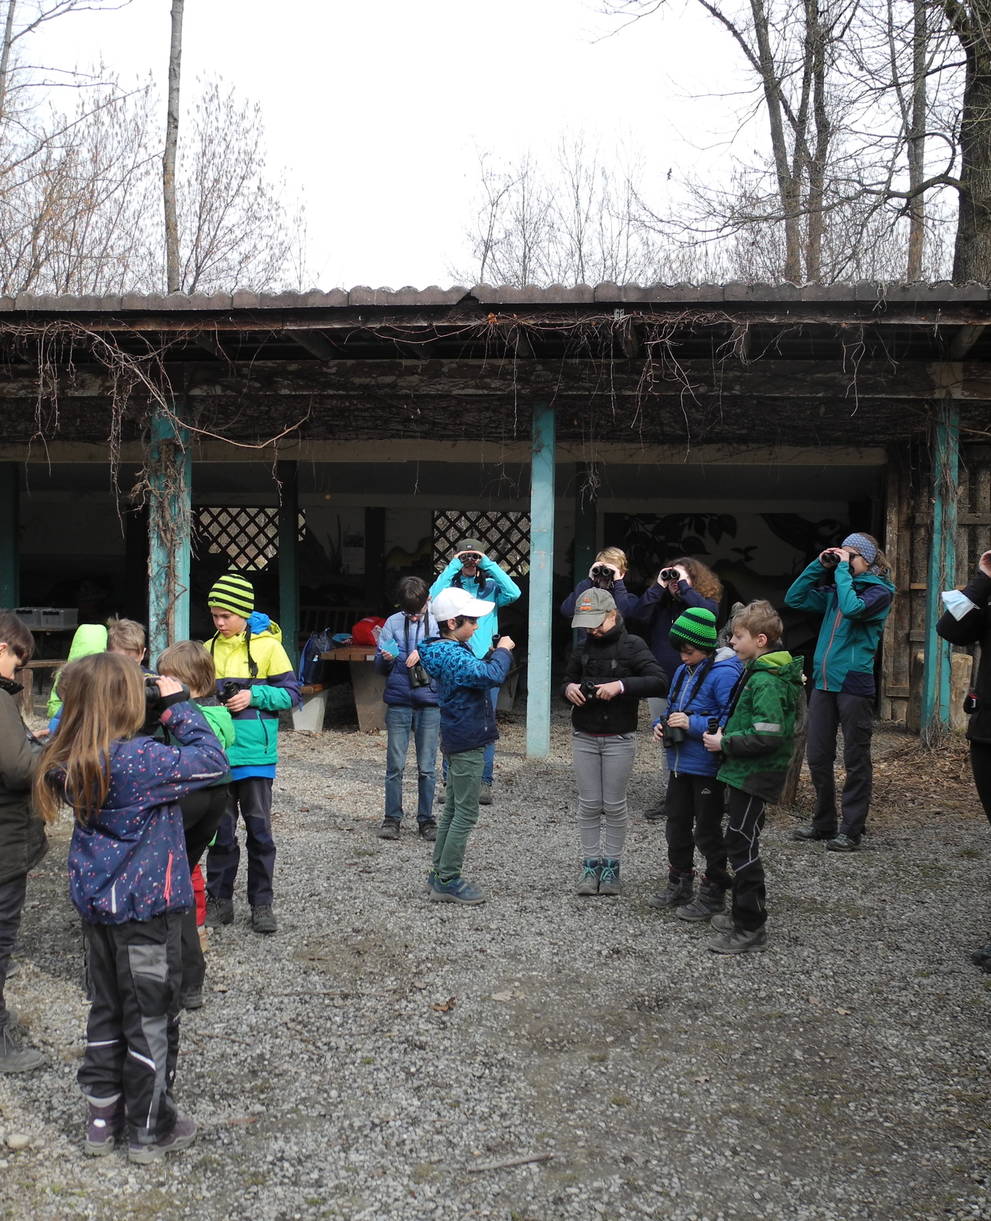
625 601
658 609
400 637
854 610
130 862
467 719
495 586
712 699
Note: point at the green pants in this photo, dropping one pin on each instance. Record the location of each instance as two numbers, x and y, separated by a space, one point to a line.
464 783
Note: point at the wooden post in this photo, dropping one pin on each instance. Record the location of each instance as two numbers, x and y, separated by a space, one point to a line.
538 704
10 560
586 521
936 669
287 474
169 526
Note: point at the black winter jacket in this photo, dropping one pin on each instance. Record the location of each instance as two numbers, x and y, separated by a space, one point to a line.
975 628
22 834
603 659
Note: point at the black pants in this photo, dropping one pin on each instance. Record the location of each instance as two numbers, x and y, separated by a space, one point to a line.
828 712
695 819
980 765
252 799
201 815
132 1035
12 894
744 822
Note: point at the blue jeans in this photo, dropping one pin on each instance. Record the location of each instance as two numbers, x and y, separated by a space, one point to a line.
489 750
424 725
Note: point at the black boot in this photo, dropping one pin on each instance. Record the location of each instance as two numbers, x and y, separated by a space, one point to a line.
677 891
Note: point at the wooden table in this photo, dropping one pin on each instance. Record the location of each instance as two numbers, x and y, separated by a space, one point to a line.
25 676
367 683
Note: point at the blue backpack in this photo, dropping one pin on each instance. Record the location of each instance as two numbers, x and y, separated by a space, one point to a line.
311 668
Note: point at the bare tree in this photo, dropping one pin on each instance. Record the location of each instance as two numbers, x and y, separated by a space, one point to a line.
169 156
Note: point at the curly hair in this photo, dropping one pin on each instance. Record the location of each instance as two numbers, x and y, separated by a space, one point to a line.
703 578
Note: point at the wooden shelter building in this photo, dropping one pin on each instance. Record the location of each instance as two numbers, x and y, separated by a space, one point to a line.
327 441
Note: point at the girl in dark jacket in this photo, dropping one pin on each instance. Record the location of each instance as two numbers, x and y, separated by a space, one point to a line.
967 621
129 880
605 679
22 834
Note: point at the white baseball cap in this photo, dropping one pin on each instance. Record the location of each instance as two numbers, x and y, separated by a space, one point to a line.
451 602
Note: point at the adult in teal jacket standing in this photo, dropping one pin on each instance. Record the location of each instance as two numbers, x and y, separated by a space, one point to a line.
851 587
472 570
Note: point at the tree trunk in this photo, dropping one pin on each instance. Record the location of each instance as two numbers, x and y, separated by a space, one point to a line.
168 160
972 250
8 38
916 144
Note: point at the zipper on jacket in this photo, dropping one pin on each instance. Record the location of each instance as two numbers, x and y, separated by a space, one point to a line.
168 879
832 636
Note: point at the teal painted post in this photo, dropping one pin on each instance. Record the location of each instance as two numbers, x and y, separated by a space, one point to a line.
288 476
169 525
936 671
538 704
10 559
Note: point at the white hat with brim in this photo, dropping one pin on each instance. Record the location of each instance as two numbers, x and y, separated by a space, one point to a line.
452 602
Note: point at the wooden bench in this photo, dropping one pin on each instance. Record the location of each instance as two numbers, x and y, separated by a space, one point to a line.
25 676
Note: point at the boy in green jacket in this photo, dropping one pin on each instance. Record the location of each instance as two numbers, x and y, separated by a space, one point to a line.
756 743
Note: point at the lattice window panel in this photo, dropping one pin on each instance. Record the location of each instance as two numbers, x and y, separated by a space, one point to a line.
506 536
248 535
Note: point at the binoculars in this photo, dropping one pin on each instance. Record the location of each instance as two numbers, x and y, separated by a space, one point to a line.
829 559
674 735
470 557
670 574
602 572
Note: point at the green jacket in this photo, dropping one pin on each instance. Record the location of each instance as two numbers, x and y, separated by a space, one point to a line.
87 639
759 734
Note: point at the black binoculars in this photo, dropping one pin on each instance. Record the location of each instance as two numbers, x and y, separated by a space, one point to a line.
589 689
829 559
228 690
670 574
674 735
418 677
470 557
602 572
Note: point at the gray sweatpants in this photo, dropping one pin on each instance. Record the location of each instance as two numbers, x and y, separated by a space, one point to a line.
602 770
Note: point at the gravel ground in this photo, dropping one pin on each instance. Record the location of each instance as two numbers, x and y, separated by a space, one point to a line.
386 1057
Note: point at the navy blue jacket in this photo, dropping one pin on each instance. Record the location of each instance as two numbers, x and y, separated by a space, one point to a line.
400 637
711 699
625 601
467 719
658 609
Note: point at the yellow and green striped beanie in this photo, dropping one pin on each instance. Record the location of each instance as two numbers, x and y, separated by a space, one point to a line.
233 593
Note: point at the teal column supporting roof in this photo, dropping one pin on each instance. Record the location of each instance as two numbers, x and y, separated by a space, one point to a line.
936 671
169 526
538 706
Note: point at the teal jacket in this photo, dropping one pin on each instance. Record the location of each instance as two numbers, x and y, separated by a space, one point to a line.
854 610
760 731
492 585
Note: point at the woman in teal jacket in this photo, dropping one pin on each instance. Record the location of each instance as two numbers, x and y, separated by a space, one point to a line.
851 587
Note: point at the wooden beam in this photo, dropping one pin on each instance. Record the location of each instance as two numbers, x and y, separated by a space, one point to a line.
964 340
287 475
315 343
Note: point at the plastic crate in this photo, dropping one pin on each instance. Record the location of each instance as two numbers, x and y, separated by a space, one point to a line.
52 617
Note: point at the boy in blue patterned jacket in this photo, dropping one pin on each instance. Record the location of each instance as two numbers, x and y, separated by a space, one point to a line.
467 727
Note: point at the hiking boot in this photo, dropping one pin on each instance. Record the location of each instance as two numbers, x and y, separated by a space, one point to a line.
14 1056
485 796
389 829
609 883
656 813
263 919
739 941
428 831
842 843
982 958
807 832
588 883
707 903
193 999
722 922
457 890
219 911
181 1137
677 891
104 1124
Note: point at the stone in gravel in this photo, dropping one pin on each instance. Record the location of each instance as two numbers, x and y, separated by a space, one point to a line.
18 1140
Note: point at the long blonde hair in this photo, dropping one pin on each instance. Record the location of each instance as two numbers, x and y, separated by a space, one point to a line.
103 700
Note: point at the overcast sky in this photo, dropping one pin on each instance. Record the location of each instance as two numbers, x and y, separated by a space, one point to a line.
379 109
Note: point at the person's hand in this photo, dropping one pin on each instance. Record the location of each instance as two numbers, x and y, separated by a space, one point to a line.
238 703
713 741
659 732
682 574
460 555
413 658
608 691
167 685
843 553
506 642
828 551
386 655
678 720
984 563
573 693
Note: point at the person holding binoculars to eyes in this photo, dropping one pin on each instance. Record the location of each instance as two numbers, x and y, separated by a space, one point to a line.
412 708
851 587
607 572
682 583
473 571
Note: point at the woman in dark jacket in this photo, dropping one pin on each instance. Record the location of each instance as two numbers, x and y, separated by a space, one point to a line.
605 679
967 621
22 834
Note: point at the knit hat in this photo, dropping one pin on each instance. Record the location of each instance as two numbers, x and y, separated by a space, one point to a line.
862 545
470 544
696 627
233 593
592 607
